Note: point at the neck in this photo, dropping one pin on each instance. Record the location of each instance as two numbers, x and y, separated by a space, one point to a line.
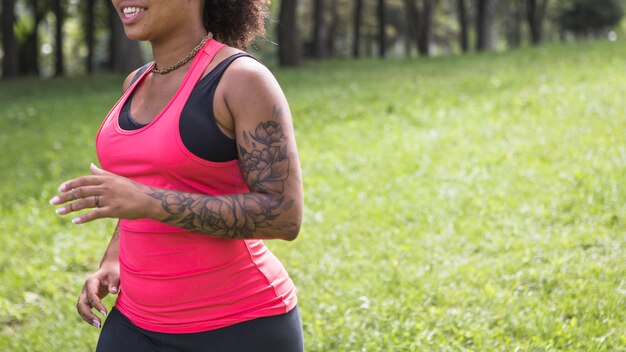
170 50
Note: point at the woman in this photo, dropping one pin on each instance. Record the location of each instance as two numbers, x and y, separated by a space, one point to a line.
201 164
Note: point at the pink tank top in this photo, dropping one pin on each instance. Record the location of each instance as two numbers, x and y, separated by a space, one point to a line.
173 280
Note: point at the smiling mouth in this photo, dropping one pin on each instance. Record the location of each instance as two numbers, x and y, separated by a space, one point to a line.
132 11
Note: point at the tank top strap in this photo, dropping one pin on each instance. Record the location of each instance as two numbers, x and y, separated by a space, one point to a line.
198 66
141 70
219 70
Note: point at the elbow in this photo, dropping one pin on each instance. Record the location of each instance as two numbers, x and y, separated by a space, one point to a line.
290 222
292 234
291 229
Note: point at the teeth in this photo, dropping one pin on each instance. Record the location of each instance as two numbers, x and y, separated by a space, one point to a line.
132 11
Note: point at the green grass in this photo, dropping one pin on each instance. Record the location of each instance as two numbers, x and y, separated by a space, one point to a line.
469 203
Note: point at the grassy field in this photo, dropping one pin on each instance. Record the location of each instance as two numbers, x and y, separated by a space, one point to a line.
471 203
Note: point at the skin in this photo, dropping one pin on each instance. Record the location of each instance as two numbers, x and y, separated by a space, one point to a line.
256 114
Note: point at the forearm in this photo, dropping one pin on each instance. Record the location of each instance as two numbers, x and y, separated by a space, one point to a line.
235 216
272 208
112 252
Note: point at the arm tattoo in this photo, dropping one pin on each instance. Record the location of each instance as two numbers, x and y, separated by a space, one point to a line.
265 165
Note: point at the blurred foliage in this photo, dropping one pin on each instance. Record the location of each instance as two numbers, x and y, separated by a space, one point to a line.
591 16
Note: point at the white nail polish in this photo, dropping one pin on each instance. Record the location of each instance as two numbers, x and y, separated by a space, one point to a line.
54 200
96 323
62 188
76 221
60 211
103 313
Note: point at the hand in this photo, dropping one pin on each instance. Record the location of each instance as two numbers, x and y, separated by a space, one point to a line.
112 195
104 281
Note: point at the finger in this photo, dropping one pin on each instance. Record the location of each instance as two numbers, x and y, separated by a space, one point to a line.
114 284
98 213
95 302
92 289
84 310
84 203
90 180
98 171
77 193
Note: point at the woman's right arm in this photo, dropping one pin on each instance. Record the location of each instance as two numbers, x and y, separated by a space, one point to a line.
99 284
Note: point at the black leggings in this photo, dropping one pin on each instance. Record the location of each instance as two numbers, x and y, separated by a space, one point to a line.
279 333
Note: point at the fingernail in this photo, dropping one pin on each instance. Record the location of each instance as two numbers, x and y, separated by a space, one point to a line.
76 221
55 200
62 187
96 323
103 313
113 289
61 211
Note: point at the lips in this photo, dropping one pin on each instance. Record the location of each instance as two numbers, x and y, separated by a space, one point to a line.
131 14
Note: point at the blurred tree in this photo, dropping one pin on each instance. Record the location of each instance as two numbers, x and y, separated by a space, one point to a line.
382 26
319 30
419 24
590 16
332 32
90 29
358 18
412 20
288 38
9 42
514 13
425 25
59 14
483 25
535 14
463 30
29 47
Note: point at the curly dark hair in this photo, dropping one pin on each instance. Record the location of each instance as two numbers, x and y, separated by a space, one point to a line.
235 22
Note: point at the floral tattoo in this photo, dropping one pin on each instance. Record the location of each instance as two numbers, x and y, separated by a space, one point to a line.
265 165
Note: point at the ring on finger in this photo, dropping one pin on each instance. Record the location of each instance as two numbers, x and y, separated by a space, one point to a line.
97 199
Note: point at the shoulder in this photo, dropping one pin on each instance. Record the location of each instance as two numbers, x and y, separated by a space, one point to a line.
246 76
242 67
246 68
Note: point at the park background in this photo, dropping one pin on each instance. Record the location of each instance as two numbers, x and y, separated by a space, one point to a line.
464 165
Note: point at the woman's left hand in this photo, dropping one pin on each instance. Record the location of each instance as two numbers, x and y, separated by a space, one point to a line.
111 195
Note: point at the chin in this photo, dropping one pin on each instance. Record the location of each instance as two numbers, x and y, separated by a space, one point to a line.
137 35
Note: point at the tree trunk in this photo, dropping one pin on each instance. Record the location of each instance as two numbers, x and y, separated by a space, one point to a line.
535 14
425 27
333 30
29 50
358 17
90 34
514 24
59 63
382 23
463 30
412 25
288 40
125 55
483 21
9 43
319 30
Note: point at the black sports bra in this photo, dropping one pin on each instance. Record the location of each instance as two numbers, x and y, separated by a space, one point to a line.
198 128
